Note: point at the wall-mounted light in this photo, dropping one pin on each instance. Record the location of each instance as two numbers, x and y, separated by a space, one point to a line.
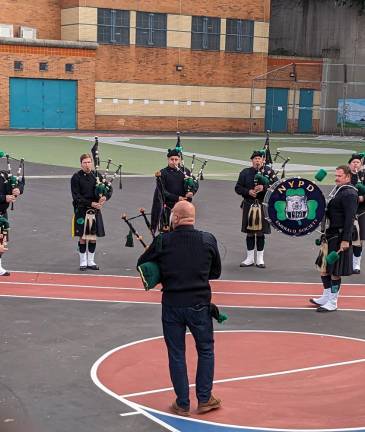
293 73
179 68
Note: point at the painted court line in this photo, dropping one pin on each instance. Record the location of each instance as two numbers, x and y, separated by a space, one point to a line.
81 275
147 410
35 284
91 300
104 287
130 413
245 428
133 405
249 377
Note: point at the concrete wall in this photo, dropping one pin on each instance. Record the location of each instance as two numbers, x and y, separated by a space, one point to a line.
316 28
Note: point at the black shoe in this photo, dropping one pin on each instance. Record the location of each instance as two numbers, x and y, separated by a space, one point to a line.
261 265
322 309
6 274
356 271
93 267
83 268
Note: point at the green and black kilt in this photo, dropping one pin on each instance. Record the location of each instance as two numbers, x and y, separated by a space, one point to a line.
78 228
246 205
343 266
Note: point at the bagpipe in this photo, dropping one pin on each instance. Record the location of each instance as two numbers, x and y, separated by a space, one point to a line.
132 230
266 172
191 181
13 180
149 271
191 186
357 182
105 179
294 206
269 160
325 258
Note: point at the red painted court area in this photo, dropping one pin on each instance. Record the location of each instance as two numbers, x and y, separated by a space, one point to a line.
130 289
287 380
267 379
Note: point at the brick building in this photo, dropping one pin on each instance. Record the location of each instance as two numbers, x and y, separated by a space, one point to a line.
161 65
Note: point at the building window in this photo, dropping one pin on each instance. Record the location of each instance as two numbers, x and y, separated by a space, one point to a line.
43 67
239 35
205 33
18 65
113 26
151 29
69 67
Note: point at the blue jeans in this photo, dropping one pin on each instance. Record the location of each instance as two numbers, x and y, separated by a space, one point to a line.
175 320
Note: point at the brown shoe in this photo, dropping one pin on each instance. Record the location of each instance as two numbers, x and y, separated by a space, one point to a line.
213 403
176 409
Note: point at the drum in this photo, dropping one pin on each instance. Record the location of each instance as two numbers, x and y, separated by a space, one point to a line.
294 206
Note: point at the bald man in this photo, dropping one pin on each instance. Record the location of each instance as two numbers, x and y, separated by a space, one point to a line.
187 259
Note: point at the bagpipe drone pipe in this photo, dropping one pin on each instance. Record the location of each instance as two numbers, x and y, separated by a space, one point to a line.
191 181
12 180
105 178
269 160
149 271
161 206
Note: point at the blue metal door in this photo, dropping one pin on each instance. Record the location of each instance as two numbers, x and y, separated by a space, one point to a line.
305 111
50 105
25 104
67 104
60 104
276 113
42 104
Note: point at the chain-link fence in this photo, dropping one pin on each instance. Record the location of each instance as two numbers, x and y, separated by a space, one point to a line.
312 97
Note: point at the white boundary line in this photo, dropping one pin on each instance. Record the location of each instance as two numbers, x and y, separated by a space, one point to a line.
250 377
215 280
309 308
142 409
106 287
136 407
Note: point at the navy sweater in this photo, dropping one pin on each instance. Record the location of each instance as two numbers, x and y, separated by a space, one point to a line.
187 259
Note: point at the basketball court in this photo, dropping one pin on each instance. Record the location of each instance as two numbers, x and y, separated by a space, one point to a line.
85 351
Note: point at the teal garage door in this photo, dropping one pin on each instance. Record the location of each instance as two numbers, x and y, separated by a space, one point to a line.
42 104
305 111
276 113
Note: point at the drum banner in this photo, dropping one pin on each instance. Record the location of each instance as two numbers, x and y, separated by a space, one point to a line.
294 206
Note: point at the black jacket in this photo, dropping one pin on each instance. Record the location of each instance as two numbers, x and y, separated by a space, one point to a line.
187 259
355 179
172 184
169 186
83 189
246 181
5 189
341 211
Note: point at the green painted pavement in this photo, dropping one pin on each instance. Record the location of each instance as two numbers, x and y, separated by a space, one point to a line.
65 151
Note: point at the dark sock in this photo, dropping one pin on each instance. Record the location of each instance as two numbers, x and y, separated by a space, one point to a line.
250 242
91 247
357 251
326 281
336 285
82 247
260 242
